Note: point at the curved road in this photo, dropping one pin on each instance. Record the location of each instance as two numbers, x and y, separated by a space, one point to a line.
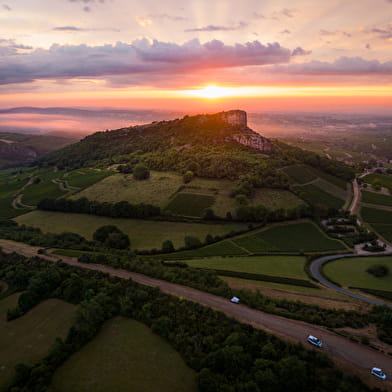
356 357
317 265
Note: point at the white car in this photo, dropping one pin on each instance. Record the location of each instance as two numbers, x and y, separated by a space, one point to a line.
315 341
379 373
235 300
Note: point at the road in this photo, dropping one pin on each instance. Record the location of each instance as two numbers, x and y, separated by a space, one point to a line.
351 355
355 200
316 267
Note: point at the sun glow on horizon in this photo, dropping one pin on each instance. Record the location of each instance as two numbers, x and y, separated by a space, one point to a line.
212 91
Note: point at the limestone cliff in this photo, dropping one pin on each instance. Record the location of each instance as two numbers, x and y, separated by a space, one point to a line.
245 135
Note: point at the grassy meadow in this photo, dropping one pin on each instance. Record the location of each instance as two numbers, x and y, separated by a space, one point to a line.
28 338
125 356
352 272
144 234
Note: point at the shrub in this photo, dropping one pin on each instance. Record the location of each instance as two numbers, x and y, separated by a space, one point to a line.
192 242
141 172
167 246
378 270
188 176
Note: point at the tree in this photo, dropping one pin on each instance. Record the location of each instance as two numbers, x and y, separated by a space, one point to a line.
192 242
208 214
167 246
112 237
241 200
141 172
188 176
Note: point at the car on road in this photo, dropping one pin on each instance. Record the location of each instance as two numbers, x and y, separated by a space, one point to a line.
235 300
379 373
315 341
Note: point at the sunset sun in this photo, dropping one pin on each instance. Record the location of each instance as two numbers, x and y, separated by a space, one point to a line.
212 91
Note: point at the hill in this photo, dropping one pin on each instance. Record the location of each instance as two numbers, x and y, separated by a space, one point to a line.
16 149
217 145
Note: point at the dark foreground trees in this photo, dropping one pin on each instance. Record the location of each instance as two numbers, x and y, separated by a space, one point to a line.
227 355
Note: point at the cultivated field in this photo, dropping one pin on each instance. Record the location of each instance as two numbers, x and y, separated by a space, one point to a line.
222 248
373 215
167 190
118 187
385 180
144 234
352 272
300 174
292 237
384 230
189 204
314 195
28 338
287 266
125 356
376 198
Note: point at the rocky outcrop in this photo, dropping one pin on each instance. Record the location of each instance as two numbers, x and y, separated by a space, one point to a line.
245 135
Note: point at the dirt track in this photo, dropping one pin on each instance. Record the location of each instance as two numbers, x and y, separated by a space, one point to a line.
353 356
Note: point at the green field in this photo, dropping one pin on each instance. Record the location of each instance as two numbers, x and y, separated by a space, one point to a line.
332 179
297 237
376 198
300 174
84 178
162 187
314 195
144 234
222 248
190 204
125 356
287 266
384 230
384 180
331 189
28 338
373 215
352 272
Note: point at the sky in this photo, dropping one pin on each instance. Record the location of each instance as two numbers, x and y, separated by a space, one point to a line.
197 55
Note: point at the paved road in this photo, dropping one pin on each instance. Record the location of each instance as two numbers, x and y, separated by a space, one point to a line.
349 354
316 267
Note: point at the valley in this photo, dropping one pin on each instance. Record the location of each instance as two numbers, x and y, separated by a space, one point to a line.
205 209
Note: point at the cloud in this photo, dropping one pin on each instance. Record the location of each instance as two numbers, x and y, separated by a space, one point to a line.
10 47
341 66
367 46
141 58
86 9
285 31
7 7
288 12
74 29
68 28
174 18
141 21
298 51
241 25
276 15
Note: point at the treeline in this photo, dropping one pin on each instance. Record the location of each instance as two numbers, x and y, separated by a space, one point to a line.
122 209
227 356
